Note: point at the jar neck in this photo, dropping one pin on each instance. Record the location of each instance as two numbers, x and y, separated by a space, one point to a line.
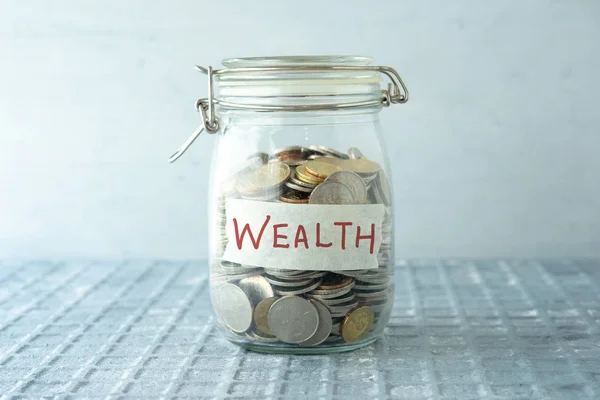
339 117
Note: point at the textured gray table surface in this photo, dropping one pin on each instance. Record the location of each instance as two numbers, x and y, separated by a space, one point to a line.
459 330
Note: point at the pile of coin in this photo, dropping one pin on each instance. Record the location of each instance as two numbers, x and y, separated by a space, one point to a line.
300 307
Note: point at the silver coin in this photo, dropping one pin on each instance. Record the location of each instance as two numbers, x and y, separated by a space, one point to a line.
376 194
337 300
293 319
257 288
338 315
331 293
233 306
354 153
299 188
332 193
288 283
298 182
261 337
282 291
324 328
283 272
382 294
369 178
370 287
343 308
329 150
353 180
373 280
335 330
384 188
297 276
234 277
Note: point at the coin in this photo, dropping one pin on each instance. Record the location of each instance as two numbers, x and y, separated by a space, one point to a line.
346 298
382 294
370 286
260 315
264 177
328 150
293 319
256 288
328 160
288 283
288 149
260 337
324 328
294 291
354 153
383 187
233 307
361 166
298 182
320 169
299 188
353 180
293 197
356 324
306 177
332 193
335 281
343 308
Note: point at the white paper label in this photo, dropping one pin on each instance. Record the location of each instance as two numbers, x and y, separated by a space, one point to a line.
303 236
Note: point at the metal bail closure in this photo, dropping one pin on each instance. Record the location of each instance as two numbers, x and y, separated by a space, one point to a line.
209 122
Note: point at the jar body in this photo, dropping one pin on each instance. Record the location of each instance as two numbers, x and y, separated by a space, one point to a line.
301 230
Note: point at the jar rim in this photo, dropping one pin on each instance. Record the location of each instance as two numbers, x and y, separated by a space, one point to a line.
245 62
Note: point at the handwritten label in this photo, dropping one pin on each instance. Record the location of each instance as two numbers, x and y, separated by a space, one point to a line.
303 236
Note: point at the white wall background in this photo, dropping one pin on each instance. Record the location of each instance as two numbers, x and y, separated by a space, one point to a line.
496 154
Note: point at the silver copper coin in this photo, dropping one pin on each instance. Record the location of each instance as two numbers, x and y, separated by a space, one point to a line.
370 287
234 308
285 291
354 181
384 188
298 188
293 319
298 182
354 153
288 283
257 288
337 300
328 150
261 337
332 193
329 294
324 328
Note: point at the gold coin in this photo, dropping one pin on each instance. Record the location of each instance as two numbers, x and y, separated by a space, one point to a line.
320 169
328 160
306 177
291 197
357 323
264 177
360 166
261 312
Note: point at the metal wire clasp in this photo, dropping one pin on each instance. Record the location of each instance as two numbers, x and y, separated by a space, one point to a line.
210 124
396 93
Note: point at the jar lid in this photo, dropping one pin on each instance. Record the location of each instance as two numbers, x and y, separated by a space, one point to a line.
298 77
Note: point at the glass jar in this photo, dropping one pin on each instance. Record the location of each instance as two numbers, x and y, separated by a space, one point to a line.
301 209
